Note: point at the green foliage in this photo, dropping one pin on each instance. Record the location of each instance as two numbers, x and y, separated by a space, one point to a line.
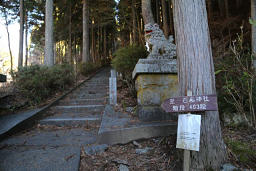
126 58
243 151
124 62
37 83
87 68
236 82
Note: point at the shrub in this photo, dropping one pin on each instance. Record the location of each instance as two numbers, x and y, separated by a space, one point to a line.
236 82
37 83
126 58
87 68
124 62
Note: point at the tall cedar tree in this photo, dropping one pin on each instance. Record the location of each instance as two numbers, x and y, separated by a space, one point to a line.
196 73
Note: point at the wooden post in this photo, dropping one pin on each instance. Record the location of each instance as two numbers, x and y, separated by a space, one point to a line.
186 160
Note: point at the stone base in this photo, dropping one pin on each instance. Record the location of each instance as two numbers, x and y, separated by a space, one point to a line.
155 81
154 113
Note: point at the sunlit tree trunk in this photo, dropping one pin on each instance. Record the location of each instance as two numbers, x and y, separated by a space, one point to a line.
92 42
70 35
48 58
20 59
165 19
8 36
86 45
171 16
196 73
26 40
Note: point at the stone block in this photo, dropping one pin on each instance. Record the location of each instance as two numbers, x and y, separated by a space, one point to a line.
155 81
154 89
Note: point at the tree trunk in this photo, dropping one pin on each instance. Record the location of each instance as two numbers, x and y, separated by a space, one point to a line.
209 9
158 20
253 17
49 59
70 35
165 19
20 60
86 44
171 17
105 42
238 3
147 11
134 23
8 36
226 8
221 7
92 45
26 40
196 73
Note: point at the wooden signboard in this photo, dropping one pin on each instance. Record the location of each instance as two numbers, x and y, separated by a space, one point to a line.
191 104
3 78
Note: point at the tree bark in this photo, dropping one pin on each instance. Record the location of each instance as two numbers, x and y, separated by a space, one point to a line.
158 13
70 35
221 7
165 19
147 11
226 8
209 9
196 73
105 42
20 60
49 59
134 23
26 40
93 41
171 16
8 36
253 17
86 44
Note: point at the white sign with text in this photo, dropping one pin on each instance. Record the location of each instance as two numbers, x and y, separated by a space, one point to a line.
188 135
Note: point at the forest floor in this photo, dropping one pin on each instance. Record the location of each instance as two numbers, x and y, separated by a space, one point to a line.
161 153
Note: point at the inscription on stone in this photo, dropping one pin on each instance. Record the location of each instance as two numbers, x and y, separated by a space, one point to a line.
191 104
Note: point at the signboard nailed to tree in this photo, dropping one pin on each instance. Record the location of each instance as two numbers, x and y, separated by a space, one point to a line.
191 104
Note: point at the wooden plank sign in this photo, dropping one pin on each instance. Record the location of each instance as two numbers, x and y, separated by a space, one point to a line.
191 104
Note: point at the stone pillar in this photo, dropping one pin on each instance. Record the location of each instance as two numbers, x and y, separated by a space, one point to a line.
155 81
113 88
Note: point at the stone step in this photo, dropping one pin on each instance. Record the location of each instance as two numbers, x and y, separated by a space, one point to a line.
89 96
67 102
78 108
72 122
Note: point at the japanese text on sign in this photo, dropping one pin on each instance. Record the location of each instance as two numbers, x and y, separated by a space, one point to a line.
191 103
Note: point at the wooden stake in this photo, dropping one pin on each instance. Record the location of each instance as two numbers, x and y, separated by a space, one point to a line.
186 160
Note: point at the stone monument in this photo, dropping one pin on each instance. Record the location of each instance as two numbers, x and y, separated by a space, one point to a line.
156 76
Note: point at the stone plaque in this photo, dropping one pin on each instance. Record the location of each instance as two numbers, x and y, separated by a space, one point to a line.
191 104
188 135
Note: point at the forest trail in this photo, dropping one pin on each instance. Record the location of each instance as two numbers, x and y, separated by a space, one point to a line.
56 142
